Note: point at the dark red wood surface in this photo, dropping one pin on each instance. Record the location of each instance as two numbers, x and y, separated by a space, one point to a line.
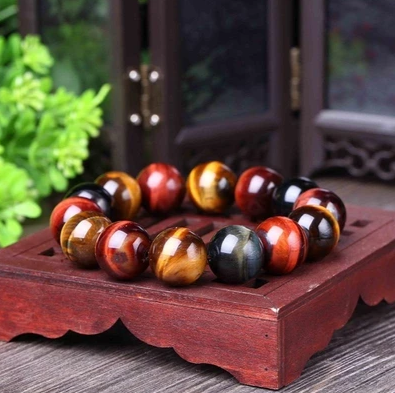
263 332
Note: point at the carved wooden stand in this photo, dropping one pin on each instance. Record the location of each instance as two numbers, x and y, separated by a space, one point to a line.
262 332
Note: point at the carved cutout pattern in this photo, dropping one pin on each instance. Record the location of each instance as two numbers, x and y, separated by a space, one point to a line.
361 157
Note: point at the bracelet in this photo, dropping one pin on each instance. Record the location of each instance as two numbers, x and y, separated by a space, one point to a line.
296 221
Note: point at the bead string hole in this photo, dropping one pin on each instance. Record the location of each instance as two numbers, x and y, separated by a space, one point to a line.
360 223
50 252
256 283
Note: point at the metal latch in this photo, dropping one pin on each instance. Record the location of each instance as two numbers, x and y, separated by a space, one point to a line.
295 82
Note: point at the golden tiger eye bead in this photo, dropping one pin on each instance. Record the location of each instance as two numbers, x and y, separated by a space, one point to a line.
211 187
285 242
177 256
125 191
78 238
322 228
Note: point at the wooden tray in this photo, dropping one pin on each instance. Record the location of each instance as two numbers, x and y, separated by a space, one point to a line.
262 332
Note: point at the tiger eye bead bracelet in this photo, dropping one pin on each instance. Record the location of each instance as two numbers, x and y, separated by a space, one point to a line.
300 222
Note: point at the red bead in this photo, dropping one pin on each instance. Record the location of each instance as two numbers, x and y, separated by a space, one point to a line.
122 250
68 208
325 198
285 242
162 188
254 191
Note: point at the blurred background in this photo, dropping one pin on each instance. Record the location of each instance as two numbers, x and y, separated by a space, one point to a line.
86 86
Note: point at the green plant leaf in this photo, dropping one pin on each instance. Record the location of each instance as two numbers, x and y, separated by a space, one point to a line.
28 209
25 123
47 124
46 84
14 46
8 236
13 226
35 55
26 92
41 182
2 50
58 180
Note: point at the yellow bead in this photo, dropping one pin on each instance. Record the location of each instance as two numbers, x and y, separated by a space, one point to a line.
211 187
178 256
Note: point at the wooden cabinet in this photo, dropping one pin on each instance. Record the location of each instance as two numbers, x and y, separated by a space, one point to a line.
213 83
225 82
195 81
348 108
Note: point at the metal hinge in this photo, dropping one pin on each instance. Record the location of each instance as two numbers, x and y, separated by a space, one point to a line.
295 82
149 79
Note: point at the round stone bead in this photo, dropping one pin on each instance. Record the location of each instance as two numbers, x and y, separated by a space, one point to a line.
322 228
122 250
177 256
68 208
211 186
235 254
94 192
285 195
126 194
254 191
162 188
325 198
78 238
285 243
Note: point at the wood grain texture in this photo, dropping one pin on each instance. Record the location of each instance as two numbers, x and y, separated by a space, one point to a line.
360 358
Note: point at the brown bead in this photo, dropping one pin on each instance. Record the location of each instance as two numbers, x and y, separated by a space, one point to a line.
211 187
178 256
285 242
254 191
162 188
122 250
68 208
78 238
126 194
325 198
322 228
